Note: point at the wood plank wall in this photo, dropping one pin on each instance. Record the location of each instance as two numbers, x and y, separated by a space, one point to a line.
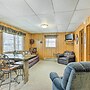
88 43
77 46
50 52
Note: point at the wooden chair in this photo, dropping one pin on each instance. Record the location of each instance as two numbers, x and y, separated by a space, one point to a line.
7 69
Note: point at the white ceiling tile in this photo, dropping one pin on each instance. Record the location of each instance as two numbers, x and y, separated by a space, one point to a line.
30 20
83 4
47 18
64 5
72 26
63 18
62 27
41 6
80 16
18 7
4 12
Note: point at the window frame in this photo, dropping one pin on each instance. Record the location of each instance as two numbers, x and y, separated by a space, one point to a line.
14 44
49 42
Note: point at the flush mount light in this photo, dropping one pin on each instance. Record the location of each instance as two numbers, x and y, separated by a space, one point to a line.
44 25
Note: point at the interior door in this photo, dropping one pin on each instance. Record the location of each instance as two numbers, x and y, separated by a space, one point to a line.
88 43
82 45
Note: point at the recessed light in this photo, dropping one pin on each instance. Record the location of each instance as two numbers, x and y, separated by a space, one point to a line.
44 25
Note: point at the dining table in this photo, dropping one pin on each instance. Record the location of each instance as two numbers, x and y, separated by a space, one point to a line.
24 59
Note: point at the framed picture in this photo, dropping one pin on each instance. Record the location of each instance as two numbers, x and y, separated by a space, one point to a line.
31 41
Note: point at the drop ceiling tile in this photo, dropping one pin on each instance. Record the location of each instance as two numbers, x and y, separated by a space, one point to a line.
62 27
49 31
64 5
62 30
83 4
4 12
72 27
80 16
32 19
41 6
47 18
18 7
63 18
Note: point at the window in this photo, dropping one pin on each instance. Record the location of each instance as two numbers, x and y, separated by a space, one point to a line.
8 42
19 43
51 42
12 42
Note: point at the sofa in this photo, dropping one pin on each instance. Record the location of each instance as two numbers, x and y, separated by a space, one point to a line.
66 57
76 77
33 60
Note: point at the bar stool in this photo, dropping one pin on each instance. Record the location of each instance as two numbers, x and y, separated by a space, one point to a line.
7 68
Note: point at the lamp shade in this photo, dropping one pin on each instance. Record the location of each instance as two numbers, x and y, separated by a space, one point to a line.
44 25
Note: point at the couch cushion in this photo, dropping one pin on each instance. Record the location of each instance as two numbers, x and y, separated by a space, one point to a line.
63 58
80 67
68 53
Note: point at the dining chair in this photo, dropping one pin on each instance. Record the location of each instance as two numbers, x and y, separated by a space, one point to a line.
8 69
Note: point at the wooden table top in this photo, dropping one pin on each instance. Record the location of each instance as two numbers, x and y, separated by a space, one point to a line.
20 56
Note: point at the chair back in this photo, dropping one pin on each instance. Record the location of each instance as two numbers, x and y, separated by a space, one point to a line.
4 61
79 78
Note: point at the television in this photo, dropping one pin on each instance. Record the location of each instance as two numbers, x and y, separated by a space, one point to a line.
69 37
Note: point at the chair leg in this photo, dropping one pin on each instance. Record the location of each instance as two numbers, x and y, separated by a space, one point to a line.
20 73
10 81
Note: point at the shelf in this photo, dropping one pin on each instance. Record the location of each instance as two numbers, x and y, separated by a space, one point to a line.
69 42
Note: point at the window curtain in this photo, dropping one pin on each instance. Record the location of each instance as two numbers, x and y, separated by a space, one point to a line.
11 31
50 36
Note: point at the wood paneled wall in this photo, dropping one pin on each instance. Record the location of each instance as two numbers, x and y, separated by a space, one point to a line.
27 41
88 43
50 52
77 46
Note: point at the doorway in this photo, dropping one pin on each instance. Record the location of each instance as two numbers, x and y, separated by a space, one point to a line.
81 33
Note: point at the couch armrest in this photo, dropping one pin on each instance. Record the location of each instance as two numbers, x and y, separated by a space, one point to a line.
57 82
61 55
53 75
70 56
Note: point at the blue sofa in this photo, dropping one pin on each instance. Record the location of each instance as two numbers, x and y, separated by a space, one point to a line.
76 77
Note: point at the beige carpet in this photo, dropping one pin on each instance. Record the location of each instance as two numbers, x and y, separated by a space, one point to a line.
39 76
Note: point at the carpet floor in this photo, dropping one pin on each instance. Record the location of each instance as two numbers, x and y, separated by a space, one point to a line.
39 76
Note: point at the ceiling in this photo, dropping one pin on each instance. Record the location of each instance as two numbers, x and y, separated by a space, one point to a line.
60 15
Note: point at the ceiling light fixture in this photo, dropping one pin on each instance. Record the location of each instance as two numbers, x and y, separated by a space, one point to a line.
44 25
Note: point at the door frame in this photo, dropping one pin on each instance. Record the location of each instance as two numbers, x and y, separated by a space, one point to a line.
88 43
81 47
